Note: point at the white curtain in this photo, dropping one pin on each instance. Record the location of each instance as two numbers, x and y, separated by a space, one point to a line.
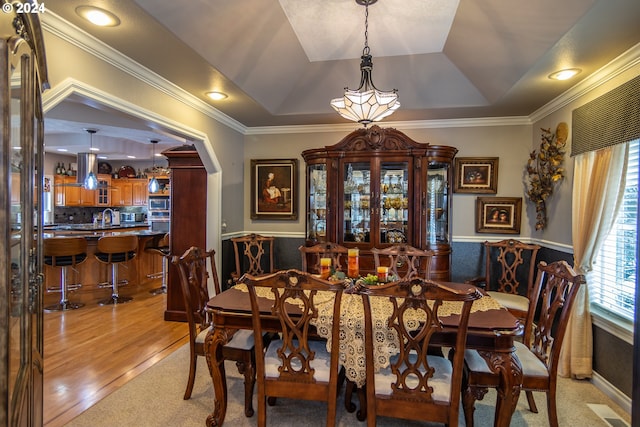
598 187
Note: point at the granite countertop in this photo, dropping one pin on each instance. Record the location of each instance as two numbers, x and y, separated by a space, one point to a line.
92 227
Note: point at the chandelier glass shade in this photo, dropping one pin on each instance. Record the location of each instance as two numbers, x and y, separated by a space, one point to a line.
91 180
366 104
154 185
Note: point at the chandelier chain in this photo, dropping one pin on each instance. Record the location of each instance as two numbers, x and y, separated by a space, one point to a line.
366 49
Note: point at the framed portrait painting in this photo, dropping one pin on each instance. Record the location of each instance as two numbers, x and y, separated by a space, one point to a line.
274 186
476 175
500 215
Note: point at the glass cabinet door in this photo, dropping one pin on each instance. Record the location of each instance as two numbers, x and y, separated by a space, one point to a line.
394 202
356 203
437 203
317 211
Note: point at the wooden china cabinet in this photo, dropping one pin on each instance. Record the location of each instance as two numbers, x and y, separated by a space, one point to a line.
377 188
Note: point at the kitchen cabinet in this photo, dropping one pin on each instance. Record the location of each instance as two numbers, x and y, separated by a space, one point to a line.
103 191
67 192
377 188
129 192
121 192
140 192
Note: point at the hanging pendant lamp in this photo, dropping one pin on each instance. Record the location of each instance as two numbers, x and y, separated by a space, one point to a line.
153 183
91 180
366 104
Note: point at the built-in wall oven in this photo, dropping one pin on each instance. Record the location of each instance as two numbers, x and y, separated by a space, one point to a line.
159 215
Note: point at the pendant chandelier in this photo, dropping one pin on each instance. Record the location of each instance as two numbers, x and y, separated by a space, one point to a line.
366 104
91 180
153 184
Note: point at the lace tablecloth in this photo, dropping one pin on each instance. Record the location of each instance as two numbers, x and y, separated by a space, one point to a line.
352 350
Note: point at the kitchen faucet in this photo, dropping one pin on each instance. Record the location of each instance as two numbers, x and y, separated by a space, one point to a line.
104 216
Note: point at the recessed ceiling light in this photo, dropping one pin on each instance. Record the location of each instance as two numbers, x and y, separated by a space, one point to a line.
102 157
564 74
63 150
216 96
131 157
94 149
98 16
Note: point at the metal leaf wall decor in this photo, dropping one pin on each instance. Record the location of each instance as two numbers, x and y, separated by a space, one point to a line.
545 171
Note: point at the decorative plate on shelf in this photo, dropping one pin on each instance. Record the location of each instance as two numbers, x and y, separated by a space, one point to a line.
127 172
104 168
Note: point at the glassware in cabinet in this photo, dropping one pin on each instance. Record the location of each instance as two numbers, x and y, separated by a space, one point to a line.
356 202
317 210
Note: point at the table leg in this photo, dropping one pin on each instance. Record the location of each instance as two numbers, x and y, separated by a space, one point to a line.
215 340
507 366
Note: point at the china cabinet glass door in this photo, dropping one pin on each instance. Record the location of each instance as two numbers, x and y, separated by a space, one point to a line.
394 203
437 204
317 210
22 207
356 202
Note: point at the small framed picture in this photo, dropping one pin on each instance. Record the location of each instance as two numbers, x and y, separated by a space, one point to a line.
476 175
499 215
274 186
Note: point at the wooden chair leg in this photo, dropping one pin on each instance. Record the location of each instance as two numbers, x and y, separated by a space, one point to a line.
247 369
532 403
348 393
192 374
469 396
551 407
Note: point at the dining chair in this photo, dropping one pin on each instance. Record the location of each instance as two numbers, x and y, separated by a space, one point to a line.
194 281
510 269
253 255
295 366
558 285
311 256
404 261
418 384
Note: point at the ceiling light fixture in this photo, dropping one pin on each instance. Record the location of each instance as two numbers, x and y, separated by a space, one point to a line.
87 163
366 104
98 16
153 184
217 96
564 74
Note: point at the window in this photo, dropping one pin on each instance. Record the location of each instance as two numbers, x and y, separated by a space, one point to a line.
613 279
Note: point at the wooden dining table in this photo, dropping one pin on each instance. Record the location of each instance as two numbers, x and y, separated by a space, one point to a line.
491 330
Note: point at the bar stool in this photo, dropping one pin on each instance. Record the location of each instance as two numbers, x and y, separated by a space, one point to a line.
160 247
64 252
113 251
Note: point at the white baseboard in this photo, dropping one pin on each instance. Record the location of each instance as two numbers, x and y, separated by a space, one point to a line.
612 392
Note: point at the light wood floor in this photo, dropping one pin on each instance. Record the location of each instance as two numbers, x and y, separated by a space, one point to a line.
90 352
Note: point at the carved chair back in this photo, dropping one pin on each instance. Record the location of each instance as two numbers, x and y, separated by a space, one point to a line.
404 261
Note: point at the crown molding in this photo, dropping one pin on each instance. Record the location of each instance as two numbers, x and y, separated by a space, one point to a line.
614 68
72 34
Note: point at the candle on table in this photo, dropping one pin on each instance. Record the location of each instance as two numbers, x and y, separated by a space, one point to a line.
325 267
353 270
382 273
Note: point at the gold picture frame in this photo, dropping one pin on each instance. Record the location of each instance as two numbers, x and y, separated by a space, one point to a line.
476 175
498 215
274 186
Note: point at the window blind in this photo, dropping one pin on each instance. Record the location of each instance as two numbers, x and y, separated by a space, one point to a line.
614 270
610 119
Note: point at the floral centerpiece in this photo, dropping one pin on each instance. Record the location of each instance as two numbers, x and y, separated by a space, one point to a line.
544 170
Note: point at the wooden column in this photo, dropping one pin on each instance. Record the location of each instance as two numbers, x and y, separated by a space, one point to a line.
188 217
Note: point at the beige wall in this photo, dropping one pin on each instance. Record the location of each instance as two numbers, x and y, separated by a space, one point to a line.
511 143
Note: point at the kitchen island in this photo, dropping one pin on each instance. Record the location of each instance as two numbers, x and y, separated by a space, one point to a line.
91 273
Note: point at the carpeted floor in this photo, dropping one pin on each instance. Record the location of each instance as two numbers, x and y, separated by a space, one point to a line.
154 398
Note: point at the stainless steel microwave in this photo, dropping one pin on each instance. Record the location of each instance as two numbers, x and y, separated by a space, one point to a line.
159 204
